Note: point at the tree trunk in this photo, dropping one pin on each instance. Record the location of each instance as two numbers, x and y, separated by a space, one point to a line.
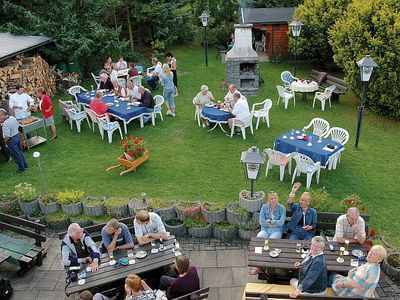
128 17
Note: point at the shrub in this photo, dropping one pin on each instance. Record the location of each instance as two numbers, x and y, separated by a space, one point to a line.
194 217
249 225
12 208
115 202
56 218
320 199
162 203
236 208
70 196
46 200
25 192
214 206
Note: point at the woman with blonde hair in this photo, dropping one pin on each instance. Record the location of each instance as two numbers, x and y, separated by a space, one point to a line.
167 81
137 289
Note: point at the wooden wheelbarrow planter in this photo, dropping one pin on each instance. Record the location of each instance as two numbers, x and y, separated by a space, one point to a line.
130 166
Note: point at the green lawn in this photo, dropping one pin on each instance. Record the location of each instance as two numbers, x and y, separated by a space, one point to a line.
190 163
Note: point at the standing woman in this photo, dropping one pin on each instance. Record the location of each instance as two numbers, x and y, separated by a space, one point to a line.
46 106
172 65
167 81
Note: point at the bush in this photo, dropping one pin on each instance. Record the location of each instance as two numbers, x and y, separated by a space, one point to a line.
25 192
70 196
320 199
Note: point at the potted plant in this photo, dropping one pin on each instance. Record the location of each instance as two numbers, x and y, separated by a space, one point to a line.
236 214
82 220
391 266
215 212
5 201
37 216
71 201
136 205
12 208
48 204
101 219
181 206
251 204
164 208
93 206
175 227
58 220
27 198
196 222
117 207
225 230
248 229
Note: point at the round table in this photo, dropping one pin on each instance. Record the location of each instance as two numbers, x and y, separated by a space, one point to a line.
304 87
215 115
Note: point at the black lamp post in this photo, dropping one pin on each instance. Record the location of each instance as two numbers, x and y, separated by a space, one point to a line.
366 65
295 26
252 160
204 21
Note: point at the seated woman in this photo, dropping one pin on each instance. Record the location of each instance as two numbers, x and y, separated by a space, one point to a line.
105 82
137 289
119 90
202 98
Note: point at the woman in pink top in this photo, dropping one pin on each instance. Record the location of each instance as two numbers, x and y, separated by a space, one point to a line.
46 106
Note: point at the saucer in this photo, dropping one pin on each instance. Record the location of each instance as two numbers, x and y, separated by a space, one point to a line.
154 250
112 262
141 254
357 253
131 261
340 260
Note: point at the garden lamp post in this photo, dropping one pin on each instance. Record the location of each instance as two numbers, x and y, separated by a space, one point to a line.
36 156
295 26
252 160
204 21
366 65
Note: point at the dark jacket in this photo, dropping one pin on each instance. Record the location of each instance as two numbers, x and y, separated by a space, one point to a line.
106 85
297 214
313 275
147 99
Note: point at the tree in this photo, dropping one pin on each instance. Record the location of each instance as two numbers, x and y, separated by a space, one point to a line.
371 27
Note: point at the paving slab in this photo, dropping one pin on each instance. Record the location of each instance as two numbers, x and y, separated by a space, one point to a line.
23 295
203 259
213 294
217 277
231 258
233 293
241 277
50 295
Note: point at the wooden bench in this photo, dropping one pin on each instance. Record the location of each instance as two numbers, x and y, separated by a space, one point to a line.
196 295
27 228
259 291
341 85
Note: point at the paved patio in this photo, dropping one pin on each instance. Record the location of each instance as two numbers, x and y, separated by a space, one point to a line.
222 267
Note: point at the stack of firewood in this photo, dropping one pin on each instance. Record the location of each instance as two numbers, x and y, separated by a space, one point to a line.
31 72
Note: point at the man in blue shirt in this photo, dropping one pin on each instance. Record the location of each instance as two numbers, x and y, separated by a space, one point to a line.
116 236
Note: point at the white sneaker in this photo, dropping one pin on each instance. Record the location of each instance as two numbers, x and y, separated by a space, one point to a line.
172 114
204 125
169 113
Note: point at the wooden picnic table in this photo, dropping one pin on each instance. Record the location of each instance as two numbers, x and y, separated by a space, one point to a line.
108 274
289 256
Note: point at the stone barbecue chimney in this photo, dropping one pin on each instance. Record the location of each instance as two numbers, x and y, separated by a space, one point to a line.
242 62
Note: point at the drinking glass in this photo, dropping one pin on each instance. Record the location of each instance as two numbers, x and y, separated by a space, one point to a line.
292 132
266 245
153 244
306 247
91 87
341 252
130 253
346 249
298 247
111 255
177 246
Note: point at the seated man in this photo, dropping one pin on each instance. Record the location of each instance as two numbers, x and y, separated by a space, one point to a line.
116 236
185 281
229 96
313 271
147 101
87 295
78 247
203 97
240 111
132 72
97 105
361 281
105 82
304 218
132 91
149 227
350 227
154 76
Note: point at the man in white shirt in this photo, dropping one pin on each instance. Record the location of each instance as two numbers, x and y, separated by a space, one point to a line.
132 91
154 76
229 96
121 64
240 111
21 103
149 227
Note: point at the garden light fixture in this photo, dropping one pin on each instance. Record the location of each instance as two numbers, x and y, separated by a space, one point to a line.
295 26
252 160
36 155
204 22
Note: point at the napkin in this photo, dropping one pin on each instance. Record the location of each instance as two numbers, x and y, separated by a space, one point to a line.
258 250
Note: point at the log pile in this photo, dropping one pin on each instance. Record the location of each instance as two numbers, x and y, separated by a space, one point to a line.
31 72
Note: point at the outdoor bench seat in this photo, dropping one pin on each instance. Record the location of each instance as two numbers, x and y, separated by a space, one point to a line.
196 295
341 85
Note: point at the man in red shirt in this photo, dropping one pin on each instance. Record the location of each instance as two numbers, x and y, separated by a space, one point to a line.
97 104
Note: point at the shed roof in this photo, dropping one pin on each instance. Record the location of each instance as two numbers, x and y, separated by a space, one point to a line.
275 15
11 45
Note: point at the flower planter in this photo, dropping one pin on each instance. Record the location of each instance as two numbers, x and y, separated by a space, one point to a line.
82 223
72 209
61 226
176 230
167 213
130 166
5 205
235 218
203 232
48 208
253 204
41 219
179 209
136 205
225 234
215 216
29 207
93 210
256 215
247 234
391 266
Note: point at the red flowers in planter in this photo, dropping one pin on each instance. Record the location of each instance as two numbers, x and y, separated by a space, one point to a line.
133 146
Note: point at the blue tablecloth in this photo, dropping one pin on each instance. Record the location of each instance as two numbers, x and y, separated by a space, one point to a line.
316 151
214 114
120 111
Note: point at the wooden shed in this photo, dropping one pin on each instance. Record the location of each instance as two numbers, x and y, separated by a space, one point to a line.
270 28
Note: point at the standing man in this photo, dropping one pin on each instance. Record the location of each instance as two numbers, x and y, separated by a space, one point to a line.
240 111
154 76
3 146
351 227
21 103
11 138
149 227
116 236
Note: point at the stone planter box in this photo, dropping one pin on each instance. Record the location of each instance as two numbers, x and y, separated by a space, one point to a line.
247 234
49 208
118 212
82 223
72 209
225 234
167 213
42 219
95 210
61 226
176 230
29 207
136 205
389 268
203 232
215 216
252 205
235 218
179 211
5 205
256 215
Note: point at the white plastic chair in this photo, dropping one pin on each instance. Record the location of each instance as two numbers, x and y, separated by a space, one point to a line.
96 80
137 80
306 165
243 124
77 116
158 107
110 127
277 158
93 117
196 112
323 97
262 113
339 135
320 126
285 95
64 105
75 90
287 78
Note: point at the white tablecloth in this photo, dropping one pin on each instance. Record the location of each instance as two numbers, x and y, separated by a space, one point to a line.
304 87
